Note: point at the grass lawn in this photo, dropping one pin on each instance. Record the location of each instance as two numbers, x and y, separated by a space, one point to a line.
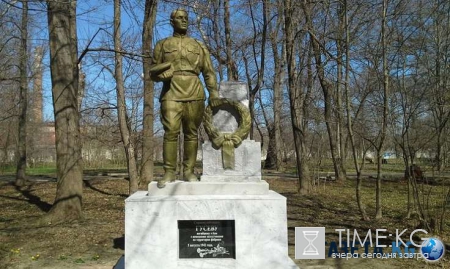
97 241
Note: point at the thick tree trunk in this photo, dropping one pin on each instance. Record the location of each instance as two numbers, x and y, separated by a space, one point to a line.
337 161
271 157
146 173
64 73
23 100
121 106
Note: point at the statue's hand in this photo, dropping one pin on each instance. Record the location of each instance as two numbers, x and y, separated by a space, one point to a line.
214 101
166 75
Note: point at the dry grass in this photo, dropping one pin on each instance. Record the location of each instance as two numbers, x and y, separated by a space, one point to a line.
96 241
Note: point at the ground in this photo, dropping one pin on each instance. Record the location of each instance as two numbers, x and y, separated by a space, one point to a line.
97 241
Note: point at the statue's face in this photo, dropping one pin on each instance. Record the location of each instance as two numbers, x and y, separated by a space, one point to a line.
180 21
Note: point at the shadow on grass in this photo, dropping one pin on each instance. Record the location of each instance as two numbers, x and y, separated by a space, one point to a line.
88 184
119 242
30 198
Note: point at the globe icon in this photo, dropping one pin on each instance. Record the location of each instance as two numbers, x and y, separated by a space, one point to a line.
432 249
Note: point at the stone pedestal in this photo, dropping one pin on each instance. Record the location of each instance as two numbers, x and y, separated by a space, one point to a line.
151 232
209 188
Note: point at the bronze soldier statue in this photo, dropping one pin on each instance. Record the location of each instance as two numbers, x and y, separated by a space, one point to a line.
177 62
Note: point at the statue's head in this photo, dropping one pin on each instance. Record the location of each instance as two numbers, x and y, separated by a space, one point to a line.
179 20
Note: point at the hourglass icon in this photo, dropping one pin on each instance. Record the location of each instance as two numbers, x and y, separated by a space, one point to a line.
310 248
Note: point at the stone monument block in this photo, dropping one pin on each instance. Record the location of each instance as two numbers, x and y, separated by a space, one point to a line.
234 90
225 119
247 163
153 240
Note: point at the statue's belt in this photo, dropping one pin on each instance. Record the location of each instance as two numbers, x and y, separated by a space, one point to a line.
185 73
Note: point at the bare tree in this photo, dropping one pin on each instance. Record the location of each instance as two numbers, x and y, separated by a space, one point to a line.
350 125
439 75
297 99
276 36
232 73
146 173
23 99
384 120
259 39
121 106
64 73
327 89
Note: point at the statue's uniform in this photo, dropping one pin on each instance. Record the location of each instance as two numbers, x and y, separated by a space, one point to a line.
182 97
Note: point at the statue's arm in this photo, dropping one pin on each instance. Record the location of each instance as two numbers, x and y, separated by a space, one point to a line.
209 74
156 59
160 70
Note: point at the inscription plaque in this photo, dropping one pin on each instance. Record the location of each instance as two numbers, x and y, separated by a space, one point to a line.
206 239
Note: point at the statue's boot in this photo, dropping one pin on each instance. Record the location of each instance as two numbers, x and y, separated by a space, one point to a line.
170 161
189 158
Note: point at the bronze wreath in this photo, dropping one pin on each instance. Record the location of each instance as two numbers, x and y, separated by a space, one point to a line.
227 141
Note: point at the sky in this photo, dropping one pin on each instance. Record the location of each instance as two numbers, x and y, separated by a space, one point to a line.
93 15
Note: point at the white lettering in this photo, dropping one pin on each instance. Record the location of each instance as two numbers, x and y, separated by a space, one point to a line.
377 236
412 234
355 235
397 237
340 236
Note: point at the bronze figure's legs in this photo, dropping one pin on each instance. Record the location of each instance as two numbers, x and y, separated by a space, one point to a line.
192 118
189 158
175 114
171 113
170 162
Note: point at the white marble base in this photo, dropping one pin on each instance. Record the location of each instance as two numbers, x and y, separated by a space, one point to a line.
209 188
151 231
247 163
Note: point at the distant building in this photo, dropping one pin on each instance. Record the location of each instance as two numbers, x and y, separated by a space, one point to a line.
41 145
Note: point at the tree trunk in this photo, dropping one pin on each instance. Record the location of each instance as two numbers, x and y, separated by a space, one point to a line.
271 157
327 91
231 69
340 141
297 102
259 64
251 105
23 100
380 146
409 208
146 174
121 106
277 105
64 74
351 136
